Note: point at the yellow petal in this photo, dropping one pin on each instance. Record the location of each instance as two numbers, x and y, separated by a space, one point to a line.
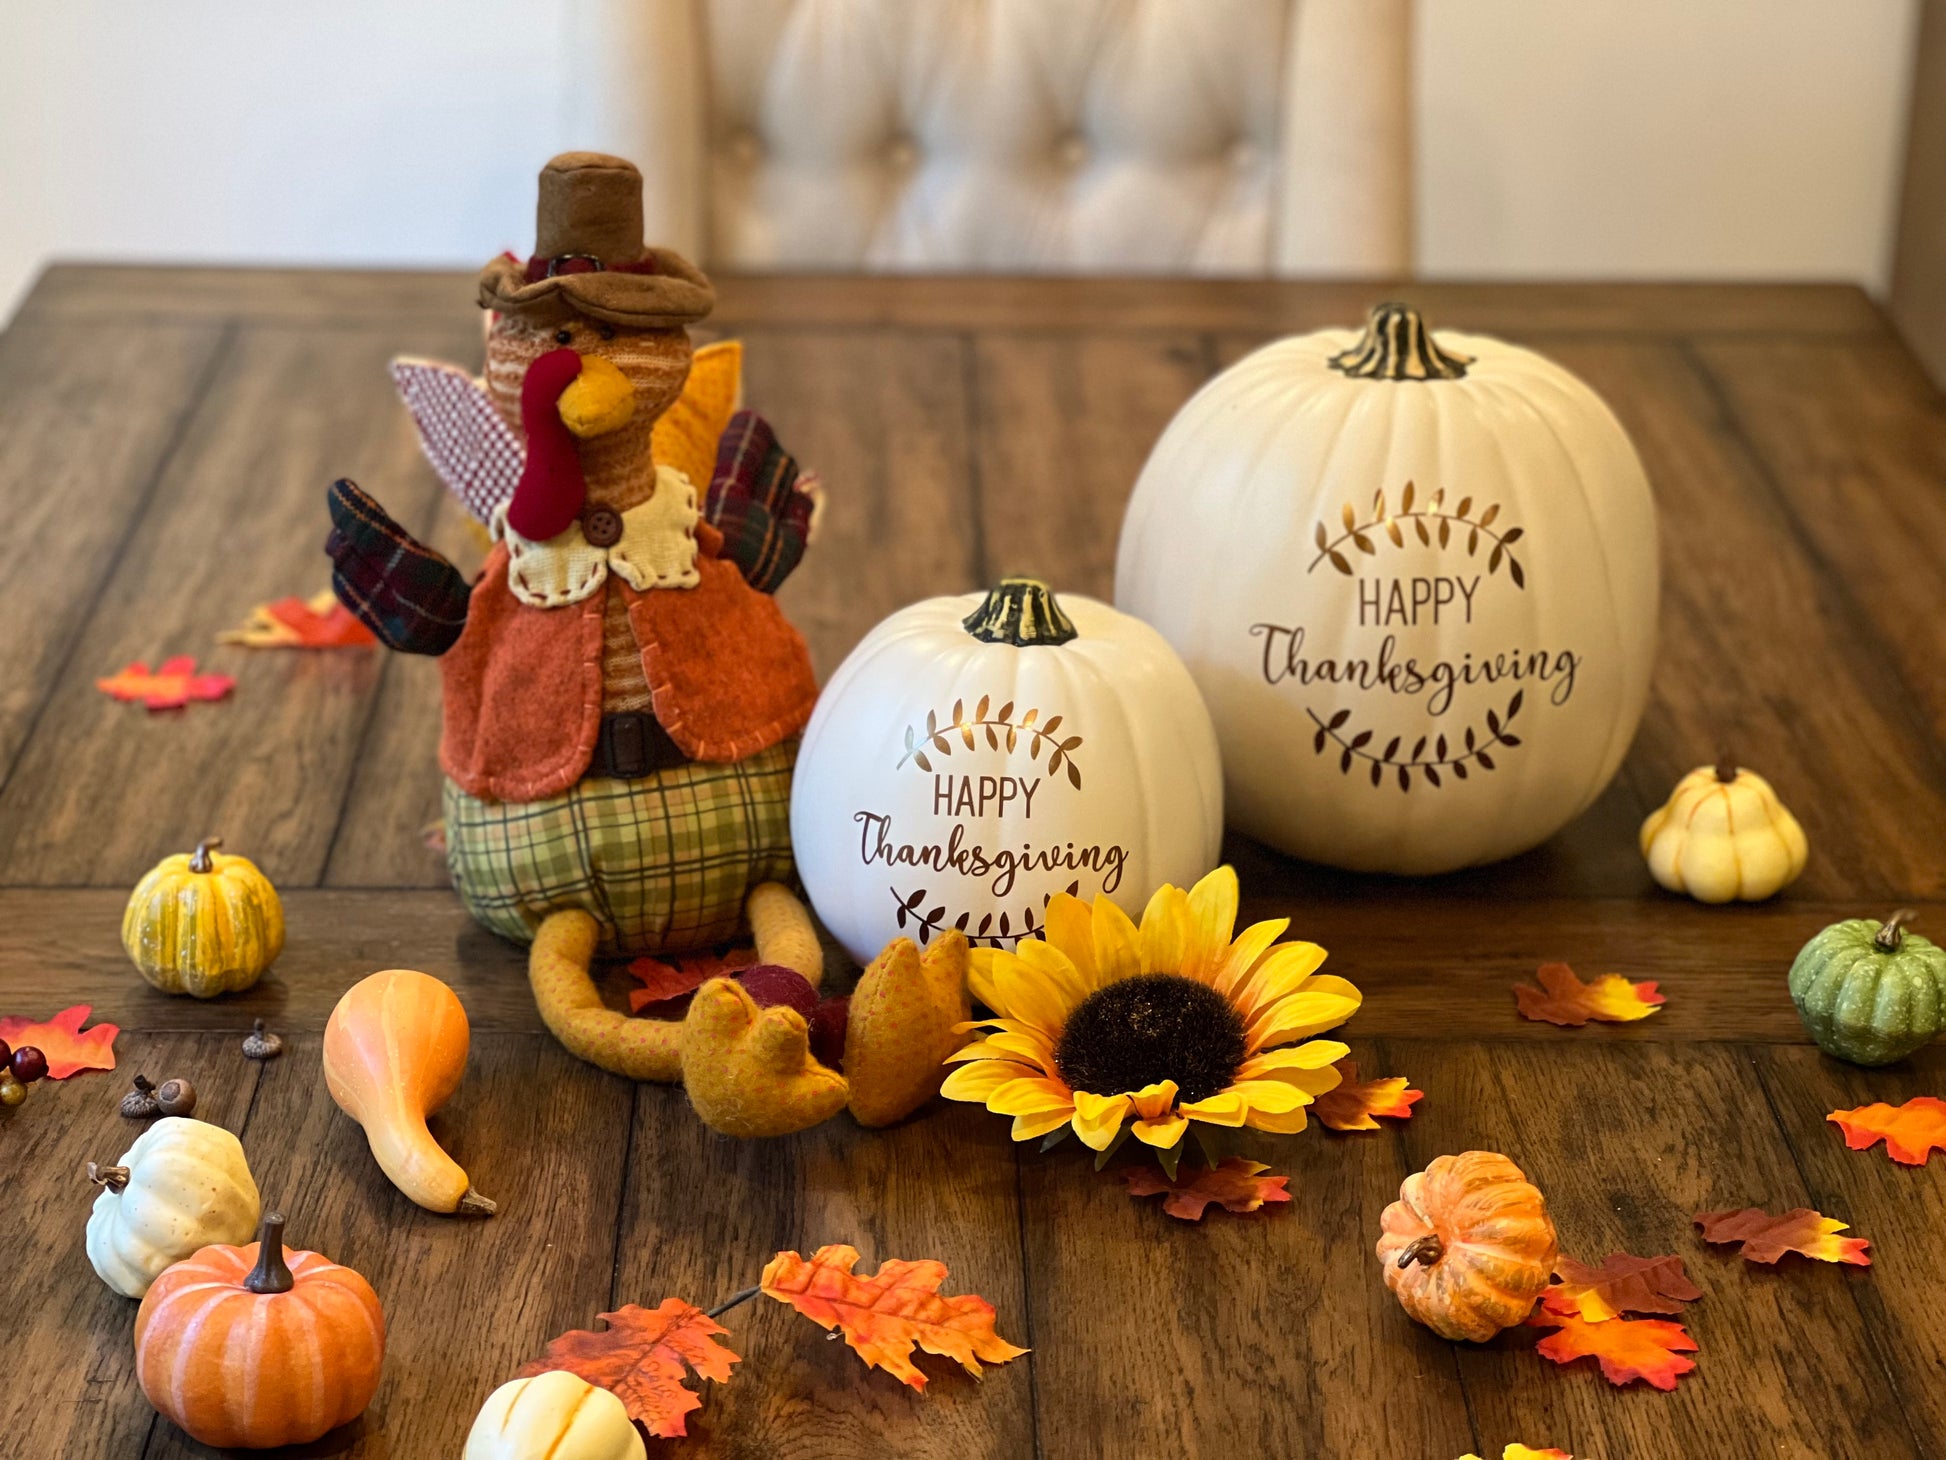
1281 971
1165 930
1212 918
1027 1048
1296 1017
975 1082
1152 1102
1030 1096
1118 946
1028 998
1244 953
979 976
1275 1097
1032 1127
1071 928
1317 1056
1225 1107
1057 971
1286 1123
1162 1133
1098 1118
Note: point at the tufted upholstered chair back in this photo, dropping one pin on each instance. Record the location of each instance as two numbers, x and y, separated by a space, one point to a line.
1130 136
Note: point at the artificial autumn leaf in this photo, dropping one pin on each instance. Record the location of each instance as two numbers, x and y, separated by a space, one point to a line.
884 1315
662 981
1622 1284
1237 1184
169 687
318 622
1352 1105
1766 1238
1910 1131
68 1050
639 1359
1565 1000
1524 1452
1627 1348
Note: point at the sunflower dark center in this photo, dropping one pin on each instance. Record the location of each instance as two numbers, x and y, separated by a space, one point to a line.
1157 1026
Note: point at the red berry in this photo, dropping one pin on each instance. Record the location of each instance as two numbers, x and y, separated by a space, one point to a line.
6 1053
29 1064
828 1032
772 983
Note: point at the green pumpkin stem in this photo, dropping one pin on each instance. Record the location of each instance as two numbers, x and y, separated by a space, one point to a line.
199 860
1021 612
1427 1249
1891 935
1397 345
271 1274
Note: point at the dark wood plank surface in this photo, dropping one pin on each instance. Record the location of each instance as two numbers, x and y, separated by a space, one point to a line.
170 473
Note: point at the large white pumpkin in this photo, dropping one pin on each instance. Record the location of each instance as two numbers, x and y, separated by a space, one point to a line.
976 755
1416 580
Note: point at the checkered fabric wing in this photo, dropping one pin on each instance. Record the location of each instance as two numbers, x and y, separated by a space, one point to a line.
765 510
396 586
476 454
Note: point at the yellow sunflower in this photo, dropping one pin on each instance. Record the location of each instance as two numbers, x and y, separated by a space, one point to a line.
1099 1020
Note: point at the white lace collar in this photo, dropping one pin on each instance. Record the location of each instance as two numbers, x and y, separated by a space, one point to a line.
657 549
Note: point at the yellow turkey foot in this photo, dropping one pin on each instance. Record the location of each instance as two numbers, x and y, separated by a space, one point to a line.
560 971
749 1070
900 1027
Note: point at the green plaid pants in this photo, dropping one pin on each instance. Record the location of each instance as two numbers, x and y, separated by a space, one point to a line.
664 862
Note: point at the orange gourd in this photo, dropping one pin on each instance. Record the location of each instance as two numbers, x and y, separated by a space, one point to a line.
1468 1245
394 1051
259 1346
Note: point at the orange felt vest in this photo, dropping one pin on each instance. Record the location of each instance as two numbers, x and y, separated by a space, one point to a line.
729 674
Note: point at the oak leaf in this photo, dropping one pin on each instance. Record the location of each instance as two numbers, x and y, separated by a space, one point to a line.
664 981
639 1358
1766 1238
1565 1000
1622 1284
1353 1104
1628 1349
884 1315
171 686
68 1050
318 622
1910 1131
1238 1185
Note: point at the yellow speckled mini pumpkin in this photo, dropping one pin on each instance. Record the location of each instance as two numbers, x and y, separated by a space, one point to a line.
203 924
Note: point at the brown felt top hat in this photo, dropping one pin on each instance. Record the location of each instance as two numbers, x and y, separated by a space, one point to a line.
589 257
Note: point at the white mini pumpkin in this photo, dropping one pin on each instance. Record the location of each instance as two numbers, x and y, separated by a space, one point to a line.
1723 836
182 1186
553 1416
976 755
1417 583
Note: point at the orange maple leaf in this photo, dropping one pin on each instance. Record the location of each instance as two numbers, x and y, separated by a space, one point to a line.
1352 1105
169 687
1910 1131
318 622
1565 1000
1628 1348
1525 1452
1622 1284
639 1359
662 981
1237 1184
884 1315
68 1050
1766 1238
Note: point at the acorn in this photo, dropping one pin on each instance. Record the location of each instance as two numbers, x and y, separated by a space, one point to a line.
260 1044
139 1103
175 1097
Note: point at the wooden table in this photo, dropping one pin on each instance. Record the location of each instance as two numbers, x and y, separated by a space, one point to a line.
167 435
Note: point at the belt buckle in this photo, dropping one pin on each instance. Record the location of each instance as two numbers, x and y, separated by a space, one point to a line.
628 745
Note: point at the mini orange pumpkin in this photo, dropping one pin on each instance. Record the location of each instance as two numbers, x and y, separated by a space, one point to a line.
1468 1245
255 1346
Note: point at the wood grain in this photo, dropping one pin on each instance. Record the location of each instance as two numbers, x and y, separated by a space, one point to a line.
1918 301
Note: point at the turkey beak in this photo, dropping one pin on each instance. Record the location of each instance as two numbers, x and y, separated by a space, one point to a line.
599 400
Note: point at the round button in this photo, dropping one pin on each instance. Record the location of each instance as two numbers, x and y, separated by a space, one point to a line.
602 526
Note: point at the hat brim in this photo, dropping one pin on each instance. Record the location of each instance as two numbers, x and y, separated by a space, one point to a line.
676 294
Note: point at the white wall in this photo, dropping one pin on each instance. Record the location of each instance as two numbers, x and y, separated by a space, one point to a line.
1562 138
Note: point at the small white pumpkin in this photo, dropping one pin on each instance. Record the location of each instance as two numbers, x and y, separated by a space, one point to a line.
976 755
1723 836
182 1186
553 1416
1416 580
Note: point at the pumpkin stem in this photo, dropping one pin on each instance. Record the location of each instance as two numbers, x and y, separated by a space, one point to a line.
114 1178
271 1274
1397 346
1726 770
1021 612
1891 935
475 1205
1427 1249
199 859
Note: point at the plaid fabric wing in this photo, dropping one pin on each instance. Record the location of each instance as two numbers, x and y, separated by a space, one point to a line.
400 589
473 450
764 509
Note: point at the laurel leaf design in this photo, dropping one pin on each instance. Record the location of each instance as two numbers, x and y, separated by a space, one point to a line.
1340 562
1476 752
1393 531
1405 499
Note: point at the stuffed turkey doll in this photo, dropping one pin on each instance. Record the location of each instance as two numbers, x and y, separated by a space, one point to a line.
622 695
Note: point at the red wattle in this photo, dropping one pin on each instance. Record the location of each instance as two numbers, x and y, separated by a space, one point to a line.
551 489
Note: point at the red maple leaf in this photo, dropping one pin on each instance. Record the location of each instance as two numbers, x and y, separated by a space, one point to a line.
1236 1184
639 1358
1628 1348
61 1040
1565 1000
1352 1105
1910 1131
1622 1284
1766 1238
662 982
170 687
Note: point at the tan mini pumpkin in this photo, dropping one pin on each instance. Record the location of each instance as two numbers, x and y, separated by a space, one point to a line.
1723 836
553 1416
203 923
1468 1246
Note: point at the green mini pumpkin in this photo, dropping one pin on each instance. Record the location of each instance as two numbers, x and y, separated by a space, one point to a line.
1869 992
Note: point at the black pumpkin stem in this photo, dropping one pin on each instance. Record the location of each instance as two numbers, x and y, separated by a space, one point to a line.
1397 345
1891 935
1427 1249
1021 612
271 1274
199 859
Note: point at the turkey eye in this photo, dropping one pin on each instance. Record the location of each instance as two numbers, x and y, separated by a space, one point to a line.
608 332
564 337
